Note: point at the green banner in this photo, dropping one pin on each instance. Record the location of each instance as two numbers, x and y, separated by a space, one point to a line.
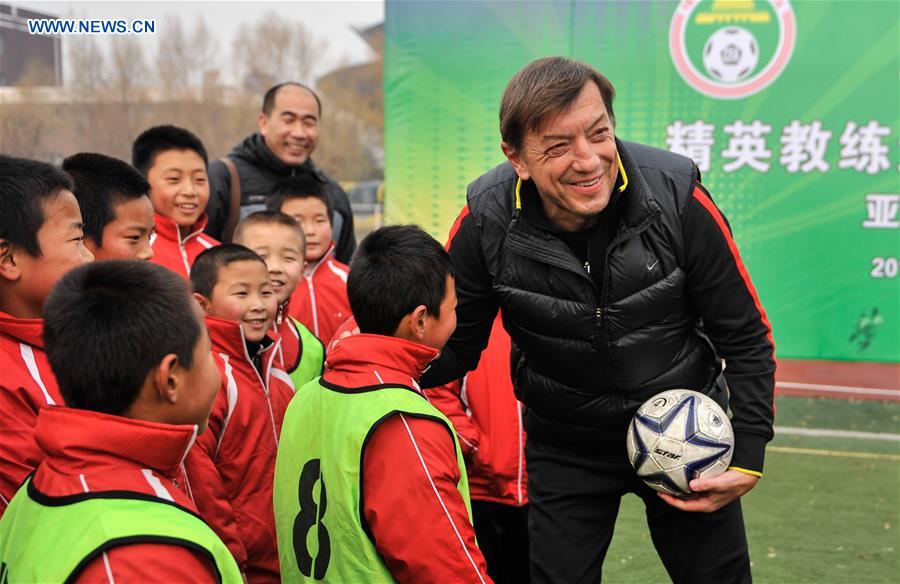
790 109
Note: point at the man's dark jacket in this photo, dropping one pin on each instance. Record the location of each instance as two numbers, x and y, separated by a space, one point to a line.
675 301
259 170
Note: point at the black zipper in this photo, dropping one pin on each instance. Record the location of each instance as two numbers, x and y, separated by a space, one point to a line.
617 396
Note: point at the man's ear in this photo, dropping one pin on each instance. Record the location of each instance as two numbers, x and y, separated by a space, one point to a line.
516 160
202 300
263 121
9 270
167 379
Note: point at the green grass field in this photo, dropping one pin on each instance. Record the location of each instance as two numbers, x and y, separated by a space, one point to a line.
827 510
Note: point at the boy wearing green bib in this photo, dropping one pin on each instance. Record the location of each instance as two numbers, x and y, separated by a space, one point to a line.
132 359
370 484
280 241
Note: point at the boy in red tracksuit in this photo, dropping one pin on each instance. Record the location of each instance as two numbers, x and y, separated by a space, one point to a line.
488 421
279 240
487 418
397 496
320 301
174 162
41 239
231 467
103 504
115 205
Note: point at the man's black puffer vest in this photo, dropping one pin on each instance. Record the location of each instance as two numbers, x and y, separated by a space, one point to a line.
590 358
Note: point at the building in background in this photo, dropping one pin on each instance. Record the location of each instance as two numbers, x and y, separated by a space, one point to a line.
24 57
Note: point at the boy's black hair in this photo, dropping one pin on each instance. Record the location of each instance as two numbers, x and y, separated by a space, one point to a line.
270 218
303 186
25 187
108 324
205 271
268 103
395 269
101 183
161 139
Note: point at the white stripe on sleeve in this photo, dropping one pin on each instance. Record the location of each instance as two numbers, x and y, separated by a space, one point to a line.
441 501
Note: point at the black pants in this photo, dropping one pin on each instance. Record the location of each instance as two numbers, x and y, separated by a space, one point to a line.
574 499
502 532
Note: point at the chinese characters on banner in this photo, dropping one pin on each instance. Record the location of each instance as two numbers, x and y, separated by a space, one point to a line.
881 213
803 149
803 146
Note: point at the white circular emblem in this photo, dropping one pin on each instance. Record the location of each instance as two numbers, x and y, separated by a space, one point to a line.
731 50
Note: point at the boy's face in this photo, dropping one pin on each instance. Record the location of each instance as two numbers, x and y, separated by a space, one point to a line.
201 381
438 329
127 236
243 293
179 187
312 215
61 240
282 249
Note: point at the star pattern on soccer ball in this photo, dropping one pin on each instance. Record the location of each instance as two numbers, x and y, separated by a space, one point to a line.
682 421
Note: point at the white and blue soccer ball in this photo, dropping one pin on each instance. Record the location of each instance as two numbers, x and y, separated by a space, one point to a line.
731 54
677 436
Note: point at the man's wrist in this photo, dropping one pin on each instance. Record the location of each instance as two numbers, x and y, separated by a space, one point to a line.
749 452
746 471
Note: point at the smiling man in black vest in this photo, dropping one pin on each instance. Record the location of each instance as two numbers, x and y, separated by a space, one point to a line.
288 135
618 278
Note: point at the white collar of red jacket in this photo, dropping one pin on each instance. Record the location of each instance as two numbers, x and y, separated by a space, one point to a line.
167 228
227 337
76 441
315 265
395 360
26 330
283 311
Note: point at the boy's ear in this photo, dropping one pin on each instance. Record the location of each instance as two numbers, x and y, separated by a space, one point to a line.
417 321
167 379
9 270
202 300
412 326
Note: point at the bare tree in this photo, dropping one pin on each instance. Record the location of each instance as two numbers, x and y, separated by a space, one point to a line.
127 59
273 50
174 61
185 64
87 71
208 60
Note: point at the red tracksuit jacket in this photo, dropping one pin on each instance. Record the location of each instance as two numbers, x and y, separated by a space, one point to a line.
88 451
487 417
320 300
231 468
409 470
27 384
172 251
488 421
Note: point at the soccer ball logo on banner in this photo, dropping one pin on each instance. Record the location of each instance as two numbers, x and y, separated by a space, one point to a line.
677 436
730 49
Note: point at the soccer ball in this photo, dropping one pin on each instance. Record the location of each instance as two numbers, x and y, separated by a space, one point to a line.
731 54
677 436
